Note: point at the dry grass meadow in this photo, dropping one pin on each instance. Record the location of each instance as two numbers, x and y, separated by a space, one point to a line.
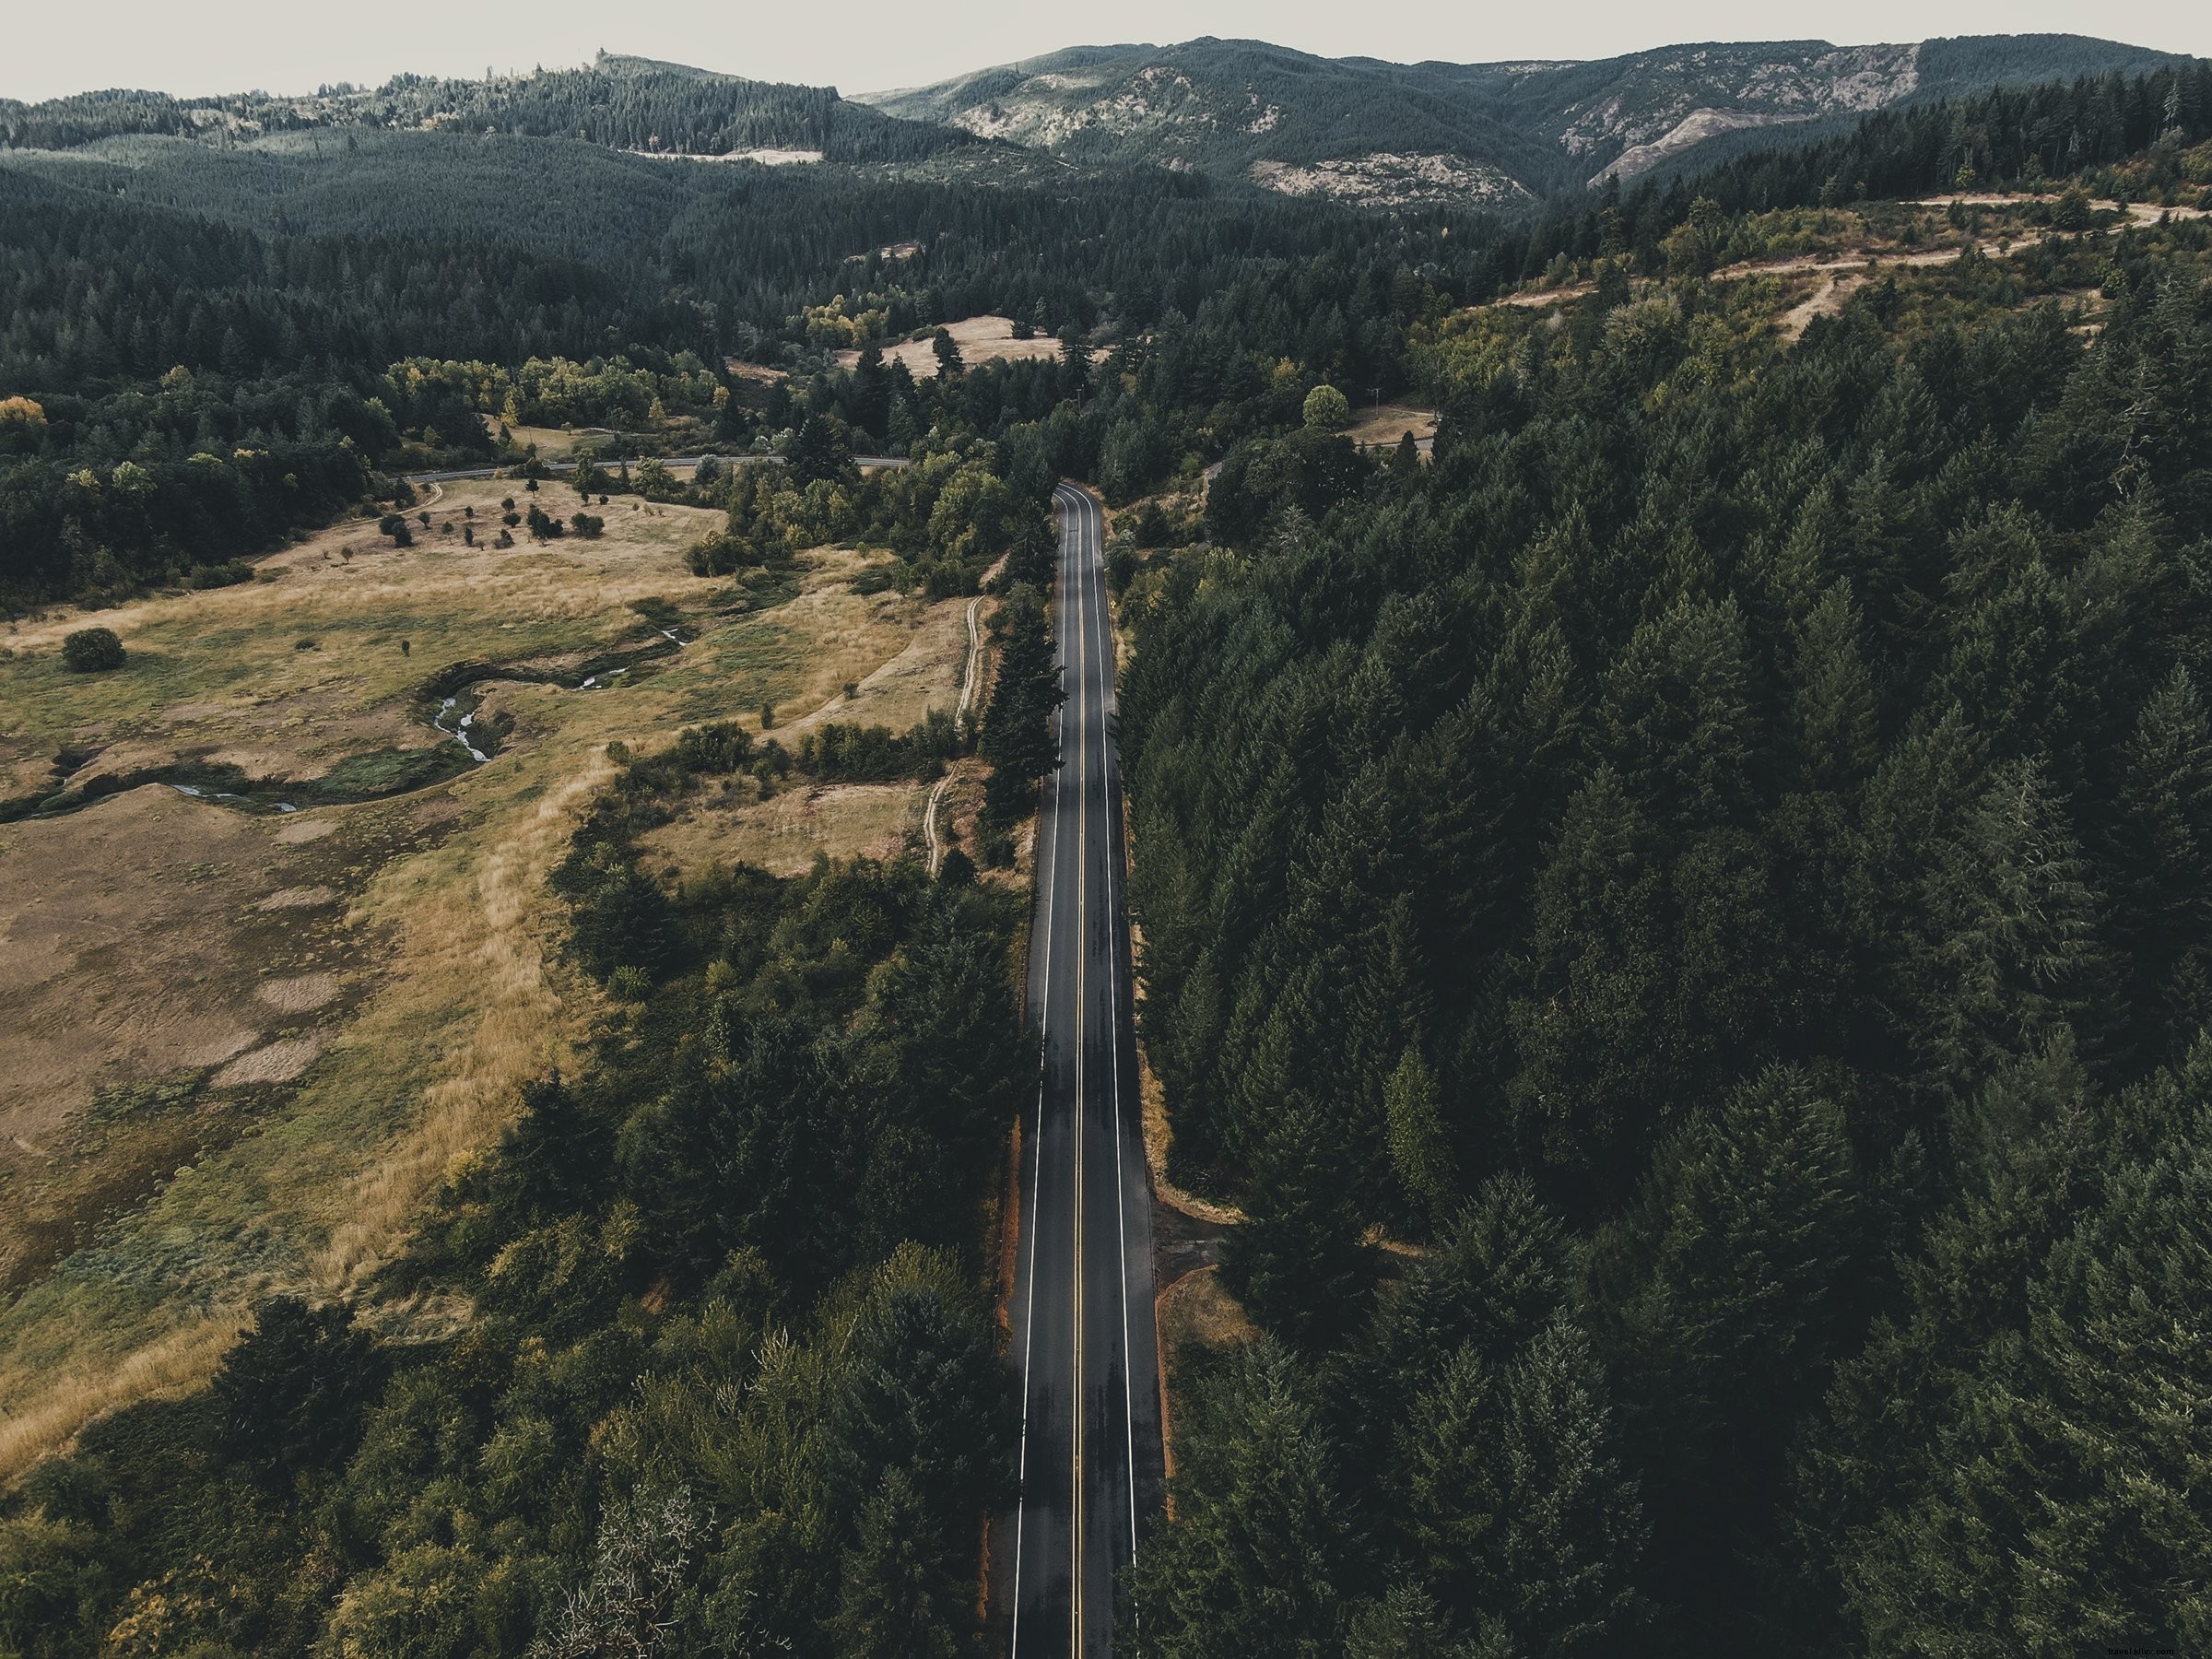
244 1046
1387 423
981 340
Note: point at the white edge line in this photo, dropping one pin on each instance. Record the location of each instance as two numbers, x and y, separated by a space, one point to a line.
1028 1317
1072 576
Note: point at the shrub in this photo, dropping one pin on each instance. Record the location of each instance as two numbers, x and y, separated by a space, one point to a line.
293 1391
229 574
92 651
587 524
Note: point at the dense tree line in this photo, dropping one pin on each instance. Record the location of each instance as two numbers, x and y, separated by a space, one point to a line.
949 517
1716 857
623 102
731 1385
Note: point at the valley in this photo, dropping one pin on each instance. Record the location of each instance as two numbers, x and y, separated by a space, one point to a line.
247 1042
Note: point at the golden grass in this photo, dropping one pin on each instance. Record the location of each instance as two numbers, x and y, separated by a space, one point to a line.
784 833
1387 423
1197 1309
981 340
176 1363
465 996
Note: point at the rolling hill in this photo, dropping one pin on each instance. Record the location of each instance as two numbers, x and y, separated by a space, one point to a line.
625 103
1369 131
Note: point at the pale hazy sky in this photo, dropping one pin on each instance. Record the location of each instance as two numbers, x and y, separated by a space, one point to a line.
864 45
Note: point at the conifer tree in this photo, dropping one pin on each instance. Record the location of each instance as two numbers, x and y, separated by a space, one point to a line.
1260 1559
1017 738
1515 1506
1296 1262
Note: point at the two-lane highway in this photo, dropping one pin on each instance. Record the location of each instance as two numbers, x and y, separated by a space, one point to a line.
1091 1476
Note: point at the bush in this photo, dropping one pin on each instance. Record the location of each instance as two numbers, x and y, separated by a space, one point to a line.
293 1391
92 651
587 524
224 575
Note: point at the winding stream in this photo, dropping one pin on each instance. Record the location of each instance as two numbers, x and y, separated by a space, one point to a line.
458 723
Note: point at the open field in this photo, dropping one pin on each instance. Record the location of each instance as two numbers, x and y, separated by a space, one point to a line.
244 1044
1387 423
785 831
981 340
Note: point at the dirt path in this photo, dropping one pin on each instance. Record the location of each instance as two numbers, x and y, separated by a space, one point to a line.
975 657
1840 287
1824 301
2141 213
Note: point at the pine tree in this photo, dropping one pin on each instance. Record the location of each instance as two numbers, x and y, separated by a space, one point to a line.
1420 1154
1492 1280
1405 1623
898 1600
1515 1506
1677 719
2162 865
1593 1029
1296 1261
1017 738
1259 1557
2012 951
1834 707
1734 1277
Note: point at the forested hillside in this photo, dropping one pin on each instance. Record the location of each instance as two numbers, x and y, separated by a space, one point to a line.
286 283
622 103
1718 861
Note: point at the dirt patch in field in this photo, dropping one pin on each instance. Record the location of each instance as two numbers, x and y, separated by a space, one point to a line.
1826 299
298 897
279 1063
121 953
302 993
140 951
1196 1309
981 340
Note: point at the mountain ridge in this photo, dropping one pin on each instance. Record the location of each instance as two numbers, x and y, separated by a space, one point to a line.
1370 130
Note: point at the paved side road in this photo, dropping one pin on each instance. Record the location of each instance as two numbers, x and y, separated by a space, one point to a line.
1091 1470
561 466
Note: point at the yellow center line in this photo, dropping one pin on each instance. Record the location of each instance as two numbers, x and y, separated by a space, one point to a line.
1074 578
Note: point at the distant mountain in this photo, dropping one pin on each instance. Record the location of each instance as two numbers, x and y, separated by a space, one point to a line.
1365 130
622 103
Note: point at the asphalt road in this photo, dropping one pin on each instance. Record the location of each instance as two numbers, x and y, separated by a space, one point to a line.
561 466
1091 1473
